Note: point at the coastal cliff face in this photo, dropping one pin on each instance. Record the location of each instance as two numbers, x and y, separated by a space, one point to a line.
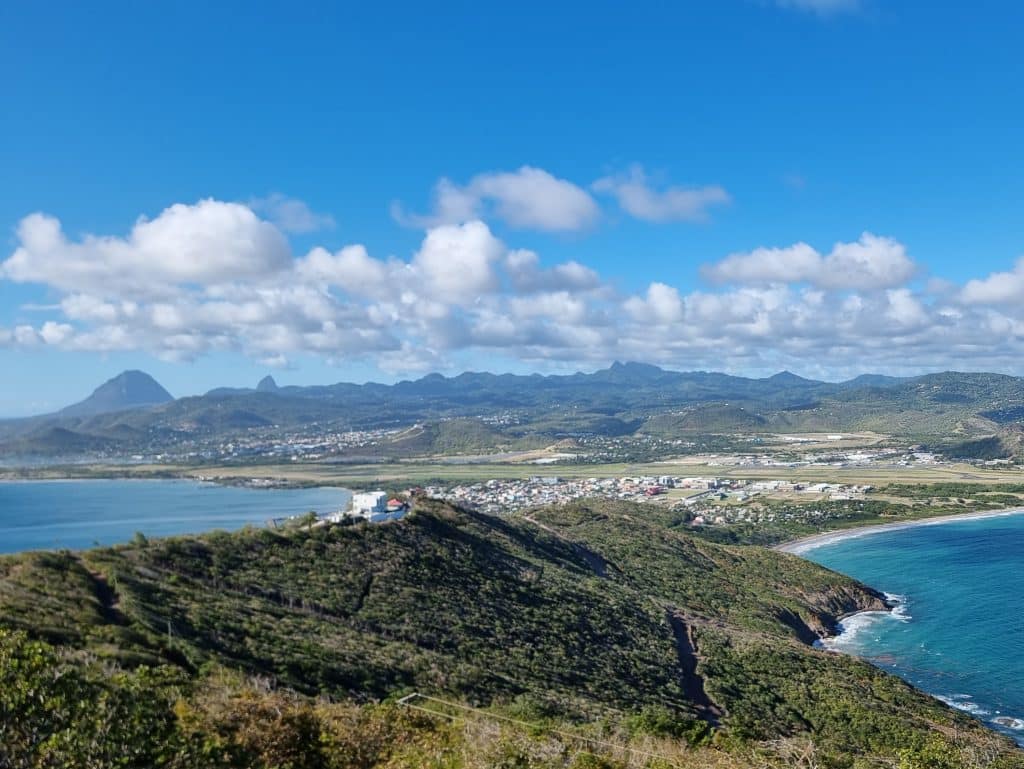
843 601
595 610
830 606
748 587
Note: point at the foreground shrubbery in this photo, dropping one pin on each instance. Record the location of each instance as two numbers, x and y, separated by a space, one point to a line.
62 712
586 630
57 711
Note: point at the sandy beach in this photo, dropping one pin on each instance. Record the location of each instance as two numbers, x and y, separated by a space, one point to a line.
806 544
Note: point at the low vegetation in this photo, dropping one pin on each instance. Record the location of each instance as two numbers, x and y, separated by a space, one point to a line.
783 520
590 635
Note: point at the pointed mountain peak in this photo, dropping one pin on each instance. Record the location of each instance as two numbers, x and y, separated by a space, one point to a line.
632 370
267 385
129 389
784 377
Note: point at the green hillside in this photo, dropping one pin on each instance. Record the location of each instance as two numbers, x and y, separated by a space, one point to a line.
580 616
458 414
713 417
451 437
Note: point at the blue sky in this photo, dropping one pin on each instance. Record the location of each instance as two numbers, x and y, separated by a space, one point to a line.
675 154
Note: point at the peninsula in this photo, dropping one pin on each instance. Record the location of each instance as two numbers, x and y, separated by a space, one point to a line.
595 626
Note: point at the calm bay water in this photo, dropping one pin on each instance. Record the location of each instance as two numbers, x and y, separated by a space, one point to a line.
38 515
959 631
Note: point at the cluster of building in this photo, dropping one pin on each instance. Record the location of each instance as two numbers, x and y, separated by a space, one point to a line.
601 449
889 457
267 444
504 496
308 445
829 490
794 511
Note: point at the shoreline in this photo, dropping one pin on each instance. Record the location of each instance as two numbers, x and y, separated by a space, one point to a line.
237 482
848 626
803 545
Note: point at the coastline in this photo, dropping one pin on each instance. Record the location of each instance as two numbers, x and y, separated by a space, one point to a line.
842 638
108 512
806 544
184 477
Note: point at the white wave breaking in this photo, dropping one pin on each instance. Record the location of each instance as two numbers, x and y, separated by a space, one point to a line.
965 703
851 630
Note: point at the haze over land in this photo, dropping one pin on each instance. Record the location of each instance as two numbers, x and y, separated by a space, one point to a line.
963 415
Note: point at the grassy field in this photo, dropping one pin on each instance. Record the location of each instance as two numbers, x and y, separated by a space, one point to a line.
826 441
410 473
419 473
876 475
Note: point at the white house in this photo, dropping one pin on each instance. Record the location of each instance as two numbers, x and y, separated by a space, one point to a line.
370 503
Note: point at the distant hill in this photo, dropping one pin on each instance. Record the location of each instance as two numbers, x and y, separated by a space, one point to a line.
133 414
871 380
128 390
714 417
51 440
451 437
267 385
788 378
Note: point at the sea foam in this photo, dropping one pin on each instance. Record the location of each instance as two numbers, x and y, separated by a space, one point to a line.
964 702
957 582
851 630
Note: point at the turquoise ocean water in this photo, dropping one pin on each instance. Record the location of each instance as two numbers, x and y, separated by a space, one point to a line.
958 632
38 515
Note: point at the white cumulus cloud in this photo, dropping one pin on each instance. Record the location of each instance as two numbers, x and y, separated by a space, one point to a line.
637 197
352 269
661 305
457 261
527 275
291 214
211 277
206 242
528 198
997 288
870 263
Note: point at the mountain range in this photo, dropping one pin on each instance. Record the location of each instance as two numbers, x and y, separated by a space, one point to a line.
132 412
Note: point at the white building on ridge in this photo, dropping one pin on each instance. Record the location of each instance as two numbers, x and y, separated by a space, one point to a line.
369 503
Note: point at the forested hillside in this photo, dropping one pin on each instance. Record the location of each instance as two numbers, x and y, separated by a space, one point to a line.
579 617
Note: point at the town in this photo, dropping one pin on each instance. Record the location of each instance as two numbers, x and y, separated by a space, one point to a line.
706 500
